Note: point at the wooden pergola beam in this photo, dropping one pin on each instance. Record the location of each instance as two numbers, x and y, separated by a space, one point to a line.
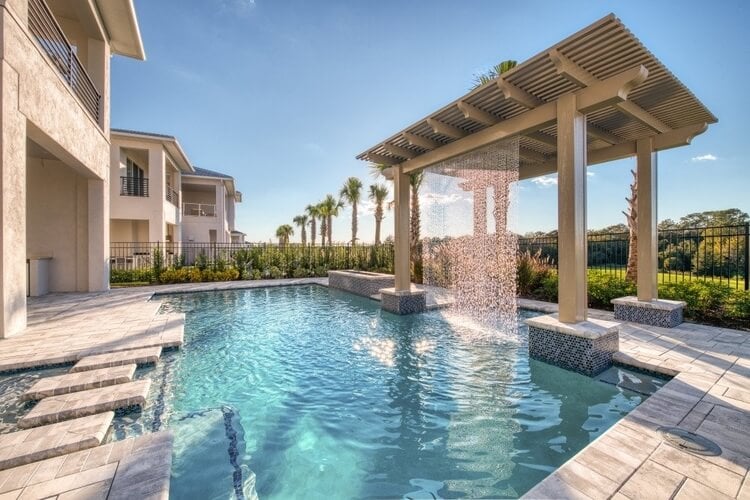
475 114
579 76
518 95
420 141
447 130
399 151
599 95
382 159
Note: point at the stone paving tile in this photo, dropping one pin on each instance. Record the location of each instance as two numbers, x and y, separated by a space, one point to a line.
650 481
80 381
692 466
693 490
78 404
144 356
31 445
140 466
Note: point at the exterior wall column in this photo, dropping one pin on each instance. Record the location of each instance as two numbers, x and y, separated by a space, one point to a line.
98 235
647 220
571 189
401 235
12 206
157 194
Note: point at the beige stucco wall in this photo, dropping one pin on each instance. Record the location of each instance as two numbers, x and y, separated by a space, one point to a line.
197 229
154 208
129 230
72 225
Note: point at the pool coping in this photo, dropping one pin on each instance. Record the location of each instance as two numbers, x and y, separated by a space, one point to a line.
710 391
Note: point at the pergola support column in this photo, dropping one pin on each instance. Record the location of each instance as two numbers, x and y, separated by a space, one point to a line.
402 299
646 308
568 339
571 210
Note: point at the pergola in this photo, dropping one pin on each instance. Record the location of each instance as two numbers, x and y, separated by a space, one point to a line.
597 96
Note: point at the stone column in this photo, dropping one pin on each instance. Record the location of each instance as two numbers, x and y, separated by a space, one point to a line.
648 262
571 189
12 206
157 193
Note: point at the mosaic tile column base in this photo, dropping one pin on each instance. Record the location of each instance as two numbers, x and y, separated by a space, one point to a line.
585 347
663 313
403 302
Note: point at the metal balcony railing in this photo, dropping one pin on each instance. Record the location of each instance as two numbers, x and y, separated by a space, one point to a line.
172 196
52 40
199 209
133 186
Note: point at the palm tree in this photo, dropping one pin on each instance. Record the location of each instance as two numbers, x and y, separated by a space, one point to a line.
321 210
352 193
283 233
378 194
301 221
312 213
330 208
493 73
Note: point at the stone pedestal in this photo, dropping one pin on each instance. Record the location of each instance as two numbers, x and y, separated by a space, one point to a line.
361 283
403 302
585 347
664 313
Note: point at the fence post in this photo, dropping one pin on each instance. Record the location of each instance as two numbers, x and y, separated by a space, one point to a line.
747 256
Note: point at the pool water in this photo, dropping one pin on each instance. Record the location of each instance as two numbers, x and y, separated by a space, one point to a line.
306 392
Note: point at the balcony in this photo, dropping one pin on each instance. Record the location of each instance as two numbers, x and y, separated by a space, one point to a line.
172 196
199 209
134 186
52 40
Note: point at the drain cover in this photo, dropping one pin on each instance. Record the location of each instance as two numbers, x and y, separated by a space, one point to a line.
689 441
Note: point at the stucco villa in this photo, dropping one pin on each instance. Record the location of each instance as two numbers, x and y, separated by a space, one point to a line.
208 206
55 84
146 174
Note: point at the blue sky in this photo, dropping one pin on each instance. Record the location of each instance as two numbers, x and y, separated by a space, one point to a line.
282 94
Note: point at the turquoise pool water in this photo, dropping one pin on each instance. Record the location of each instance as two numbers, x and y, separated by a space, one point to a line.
306 392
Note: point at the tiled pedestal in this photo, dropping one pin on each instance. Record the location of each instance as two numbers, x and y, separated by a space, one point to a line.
585 347
403 302
663 313
361 283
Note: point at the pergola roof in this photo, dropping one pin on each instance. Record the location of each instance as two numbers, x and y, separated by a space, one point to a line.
660 105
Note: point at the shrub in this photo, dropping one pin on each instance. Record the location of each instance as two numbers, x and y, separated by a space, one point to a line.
130 276
275 273
241 260
220 264
705 300
157 263
300 273
256 274
603 287
201 261
531 271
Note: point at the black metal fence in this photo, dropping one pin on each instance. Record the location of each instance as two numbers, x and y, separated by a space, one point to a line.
718 254
269 260
134 186
52 39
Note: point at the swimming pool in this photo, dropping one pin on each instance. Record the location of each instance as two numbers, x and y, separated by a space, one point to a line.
306 392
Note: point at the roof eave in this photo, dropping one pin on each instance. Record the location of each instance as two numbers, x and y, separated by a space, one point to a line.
121 22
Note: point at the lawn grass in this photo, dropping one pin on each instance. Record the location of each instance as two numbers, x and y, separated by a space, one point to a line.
678 277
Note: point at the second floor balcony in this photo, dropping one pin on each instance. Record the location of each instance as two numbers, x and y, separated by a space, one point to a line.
51 38
134 186
199 209
172 196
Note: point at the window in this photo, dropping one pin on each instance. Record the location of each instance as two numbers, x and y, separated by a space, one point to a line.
135 182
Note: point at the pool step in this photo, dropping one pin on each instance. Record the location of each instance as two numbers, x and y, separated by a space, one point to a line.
78 404
79 381
144 356
31 445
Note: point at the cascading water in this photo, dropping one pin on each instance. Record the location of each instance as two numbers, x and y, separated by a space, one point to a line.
467 245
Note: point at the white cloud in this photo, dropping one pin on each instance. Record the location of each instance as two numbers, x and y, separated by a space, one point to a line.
236 6
706 157
429 199
590 174
545 181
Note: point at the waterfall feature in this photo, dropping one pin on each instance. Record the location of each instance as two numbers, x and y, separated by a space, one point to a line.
467 245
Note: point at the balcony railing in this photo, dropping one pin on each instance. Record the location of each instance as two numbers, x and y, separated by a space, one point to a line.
52 40
199 209
172 196
133 186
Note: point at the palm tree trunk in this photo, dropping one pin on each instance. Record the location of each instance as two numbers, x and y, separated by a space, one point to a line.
354 224
323 231
631 274
312 230
378 219
330 230
304 235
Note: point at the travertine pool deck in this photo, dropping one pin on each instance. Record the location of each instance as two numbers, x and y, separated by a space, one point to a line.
709 394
